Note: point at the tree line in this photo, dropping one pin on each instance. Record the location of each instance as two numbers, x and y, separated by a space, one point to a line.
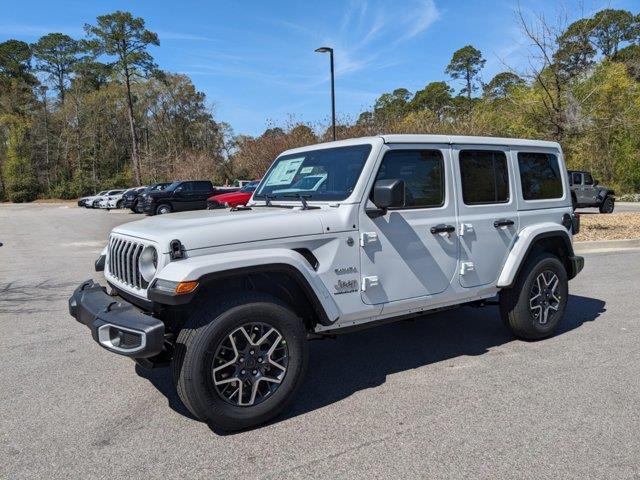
77 115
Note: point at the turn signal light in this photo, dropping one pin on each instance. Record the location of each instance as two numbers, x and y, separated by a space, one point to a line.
186 287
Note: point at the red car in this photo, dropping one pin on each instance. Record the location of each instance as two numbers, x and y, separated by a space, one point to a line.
233 199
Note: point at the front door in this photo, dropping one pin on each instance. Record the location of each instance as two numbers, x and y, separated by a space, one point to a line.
487 212
412 251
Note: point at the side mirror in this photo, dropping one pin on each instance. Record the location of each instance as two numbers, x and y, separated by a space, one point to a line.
387 194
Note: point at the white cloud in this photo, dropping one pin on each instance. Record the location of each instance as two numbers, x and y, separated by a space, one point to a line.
369 32
420 18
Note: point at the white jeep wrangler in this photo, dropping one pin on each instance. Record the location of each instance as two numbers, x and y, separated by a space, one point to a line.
399 226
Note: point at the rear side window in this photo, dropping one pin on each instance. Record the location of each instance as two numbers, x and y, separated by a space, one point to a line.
539 175
203 186
588 179
485 176
422 172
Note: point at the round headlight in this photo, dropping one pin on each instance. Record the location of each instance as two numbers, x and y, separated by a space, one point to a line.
148 263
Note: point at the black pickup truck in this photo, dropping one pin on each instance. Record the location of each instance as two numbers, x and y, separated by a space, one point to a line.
178 197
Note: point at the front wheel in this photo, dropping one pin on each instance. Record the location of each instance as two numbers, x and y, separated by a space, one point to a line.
119 204
237 364
533 308
607 205
162 209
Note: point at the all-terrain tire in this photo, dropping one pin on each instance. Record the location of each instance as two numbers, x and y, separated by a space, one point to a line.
211 324
515 302
607 205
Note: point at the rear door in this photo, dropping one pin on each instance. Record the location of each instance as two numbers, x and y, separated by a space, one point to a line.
576 182
487 211
401 257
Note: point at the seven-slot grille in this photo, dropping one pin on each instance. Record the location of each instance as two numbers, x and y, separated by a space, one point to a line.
123 261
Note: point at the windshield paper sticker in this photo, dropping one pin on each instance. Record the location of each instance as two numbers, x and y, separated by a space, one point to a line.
285 172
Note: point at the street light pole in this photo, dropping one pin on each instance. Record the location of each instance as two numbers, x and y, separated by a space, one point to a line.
333 91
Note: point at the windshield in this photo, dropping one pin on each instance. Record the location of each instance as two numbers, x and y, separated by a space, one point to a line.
323 174
171 186
249 187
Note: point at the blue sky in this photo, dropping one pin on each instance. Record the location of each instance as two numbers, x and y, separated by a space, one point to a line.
256 63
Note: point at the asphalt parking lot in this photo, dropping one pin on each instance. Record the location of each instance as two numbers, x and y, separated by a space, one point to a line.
450 395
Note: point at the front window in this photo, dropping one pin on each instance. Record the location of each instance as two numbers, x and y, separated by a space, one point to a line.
323 174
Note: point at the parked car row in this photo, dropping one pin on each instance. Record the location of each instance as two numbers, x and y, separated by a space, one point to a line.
166 197
105 199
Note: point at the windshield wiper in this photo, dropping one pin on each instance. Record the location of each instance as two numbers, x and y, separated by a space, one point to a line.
302 198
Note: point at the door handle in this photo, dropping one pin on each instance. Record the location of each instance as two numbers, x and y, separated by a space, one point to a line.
443 229
503 223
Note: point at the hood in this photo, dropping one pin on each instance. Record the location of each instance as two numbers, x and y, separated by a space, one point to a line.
226 197
213 228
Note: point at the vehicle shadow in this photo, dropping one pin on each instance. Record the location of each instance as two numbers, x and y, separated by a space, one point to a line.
355 361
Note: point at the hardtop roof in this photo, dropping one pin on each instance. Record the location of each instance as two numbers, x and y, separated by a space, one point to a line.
423 138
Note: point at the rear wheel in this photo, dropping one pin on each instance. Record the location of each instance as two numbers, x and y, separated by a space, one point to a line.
119 204
163 208
533 308
238 364
607 205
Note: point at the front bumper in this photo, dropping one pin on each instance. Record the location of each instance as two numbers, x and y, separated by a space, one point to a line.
148 207
115 324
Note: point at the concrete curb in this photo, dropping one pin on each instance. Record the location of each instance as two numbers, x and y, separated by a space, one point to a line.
607 246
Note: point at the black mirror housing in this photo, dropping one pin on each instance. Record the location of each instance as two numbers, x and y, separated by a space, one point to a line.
389 194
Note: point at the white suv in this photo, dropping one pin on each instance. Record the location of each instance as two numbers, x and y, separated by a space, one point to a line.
400 225
112 199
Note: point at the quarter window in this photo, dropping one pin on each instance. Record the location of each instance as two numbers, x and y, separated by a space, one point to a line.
422 172
539 175
485 176
588 179
202 186
576 178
